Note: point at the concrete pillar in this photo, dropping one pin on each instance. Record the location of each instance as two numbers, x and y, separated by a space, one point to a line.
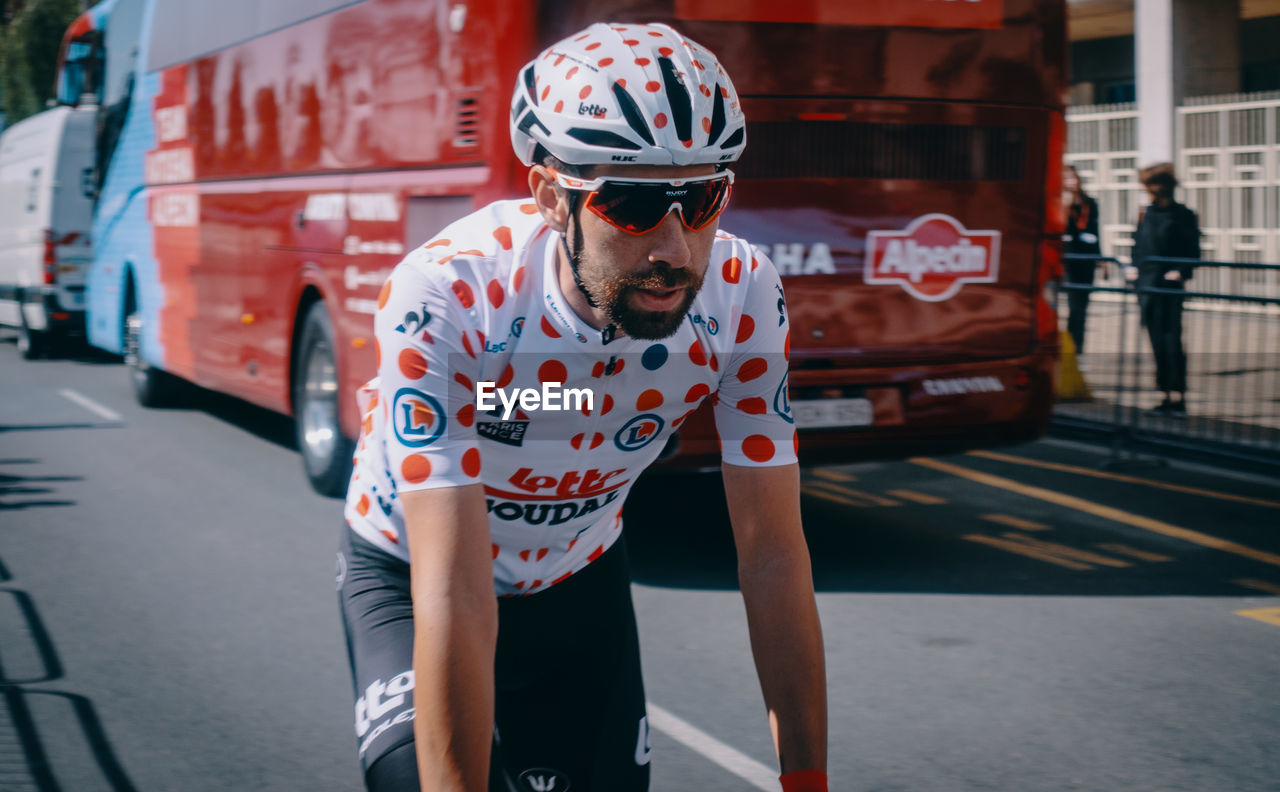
1153 40
1183 48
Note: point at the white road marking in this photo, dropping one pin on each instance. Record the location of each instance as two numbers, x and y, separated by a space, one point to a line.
730 758
89 404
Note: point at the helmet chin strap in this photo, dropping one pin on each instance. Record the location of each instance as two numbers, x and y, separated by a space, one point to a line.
610 331
576 232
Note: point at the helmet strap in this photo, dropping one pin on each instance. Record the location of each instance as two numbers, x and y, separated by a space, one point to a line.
575 230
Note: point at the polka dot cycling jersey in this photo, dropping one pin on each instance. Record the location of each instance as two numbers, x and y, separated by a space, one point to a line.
479 311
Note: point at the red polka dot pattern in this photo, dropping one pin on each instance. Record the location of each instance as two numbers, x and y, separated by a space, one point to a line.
697 393
696 354
412 364
732 270
548 330
758 448
384 295
471 462
752 369
415 469
464 294
553 371
496 294
753 406
467 415
746 326
651 399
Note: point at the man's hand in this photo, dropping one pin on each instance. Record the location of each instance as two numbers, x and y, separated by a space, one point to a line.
775 574
455 620
1173 275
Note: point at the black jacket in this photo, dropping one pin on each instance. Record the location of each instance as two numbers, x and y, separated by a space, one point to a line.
1165 231
1082 229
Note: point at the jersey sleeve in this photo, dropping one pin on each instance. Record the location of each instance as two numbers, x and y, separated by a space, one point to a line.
753 415
426 366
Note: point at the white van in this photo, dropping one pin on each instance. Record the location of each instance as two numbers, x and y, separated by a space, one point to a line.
46 207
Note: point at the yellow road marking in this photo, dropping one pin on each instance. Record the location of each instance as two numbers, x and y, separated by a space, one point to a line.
1260 585
1080 471
1062 555
817 493
918 497
833 475
855 493
1133 552
1105 512
1015 522
1268 615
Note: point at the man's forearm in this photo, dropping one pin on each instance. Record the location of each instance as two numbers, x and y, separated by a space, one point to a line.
786 641
453 654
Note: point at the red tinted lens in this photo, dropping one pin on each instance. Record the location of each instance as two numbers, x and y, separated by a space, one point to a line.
638 207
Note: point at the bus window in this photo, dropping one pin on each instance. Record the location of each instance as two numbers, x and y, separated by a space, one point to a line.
81 79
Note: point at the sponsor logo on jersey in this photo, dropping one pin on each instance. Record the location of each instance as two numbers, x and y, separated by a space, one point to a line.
782 399
639 432
932 257
517 326
419 419
564 322
542 779
414 321
541 513
709 322
380 701
955 386
508 432
529 485
593 110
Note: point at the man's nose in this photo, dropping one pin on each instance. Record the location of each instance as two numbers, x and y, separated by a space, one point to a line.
668 242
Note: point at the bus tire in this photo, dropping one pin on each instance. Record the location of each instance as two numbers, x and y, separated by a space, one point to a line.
326 451
152 387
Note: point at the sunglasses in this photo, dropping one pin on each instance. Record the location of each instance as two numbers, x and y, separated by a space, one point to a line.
638 206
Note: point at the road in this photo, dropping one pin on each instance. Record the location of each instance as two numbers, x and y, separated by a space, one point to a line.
1014 620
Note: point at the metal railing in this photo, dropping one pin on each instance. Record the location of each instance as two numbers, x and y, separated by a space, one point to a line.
1232 347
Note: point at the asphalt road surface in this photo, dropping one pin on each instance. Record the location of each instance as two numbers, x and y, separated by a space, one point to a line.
1016 620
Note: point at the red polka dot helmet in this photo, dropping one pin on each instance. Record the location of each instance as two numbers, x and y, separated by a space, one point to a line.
635 94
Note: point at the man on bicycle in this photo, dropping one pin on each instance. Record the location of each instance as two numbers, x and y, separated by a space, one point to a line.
484 591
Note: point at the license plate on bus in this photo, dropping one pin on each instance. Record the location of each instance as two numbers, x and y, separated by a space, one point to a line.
831 413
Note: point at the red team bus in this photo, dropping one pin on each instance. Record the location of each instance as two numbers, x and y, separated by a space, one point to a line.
263 166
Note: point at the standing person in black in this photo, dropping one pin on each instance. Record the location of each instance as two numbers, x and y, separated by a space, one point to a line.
1165 228
1081 238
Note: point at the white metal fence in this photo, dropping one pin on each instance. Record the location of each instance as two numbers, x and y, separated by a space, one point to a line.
1228 160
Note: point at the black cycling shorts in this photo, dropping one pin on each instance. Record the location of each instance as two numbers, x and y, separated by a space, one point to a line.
569 704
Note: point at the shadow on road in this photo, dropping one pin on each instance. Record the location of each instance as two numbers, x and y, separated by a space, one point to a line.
37 725
260 422
23 487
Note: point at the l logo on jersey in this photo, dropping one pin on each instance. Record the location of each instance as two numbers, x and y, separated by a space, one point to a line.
639 432
782 400
419 419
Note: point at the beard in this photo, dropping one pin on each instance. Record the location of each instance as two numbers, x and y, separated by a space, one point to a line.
614 296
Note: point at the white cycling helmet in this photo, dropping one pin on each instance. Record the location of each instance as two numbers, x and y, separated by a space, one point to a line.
635 94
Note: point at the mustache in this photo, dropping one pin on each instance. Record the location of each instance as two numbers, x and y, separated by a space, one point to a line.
661 277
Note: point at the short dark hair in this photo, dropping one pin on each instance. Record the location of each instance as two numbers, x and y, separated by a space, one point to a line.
1160 176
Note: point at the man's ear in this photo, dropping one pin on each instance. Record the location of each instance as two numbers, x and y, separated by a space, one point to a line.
552 202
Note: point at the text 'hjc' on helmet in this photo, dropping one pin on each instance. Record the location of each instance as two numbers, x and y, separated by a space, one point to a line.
635 94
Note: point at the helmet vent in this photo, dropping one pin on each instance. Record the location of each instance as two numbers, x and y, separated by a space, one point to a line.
529 87
717 117
631 112
734 139
601 137
678 98
467 131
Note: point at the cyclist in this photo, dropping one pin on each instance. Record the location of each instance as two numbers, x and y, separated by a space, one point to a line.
485 596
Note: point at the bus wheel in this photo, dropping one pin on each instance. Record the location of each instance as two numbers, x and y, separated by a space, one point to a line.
32 344
326 452
151 386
